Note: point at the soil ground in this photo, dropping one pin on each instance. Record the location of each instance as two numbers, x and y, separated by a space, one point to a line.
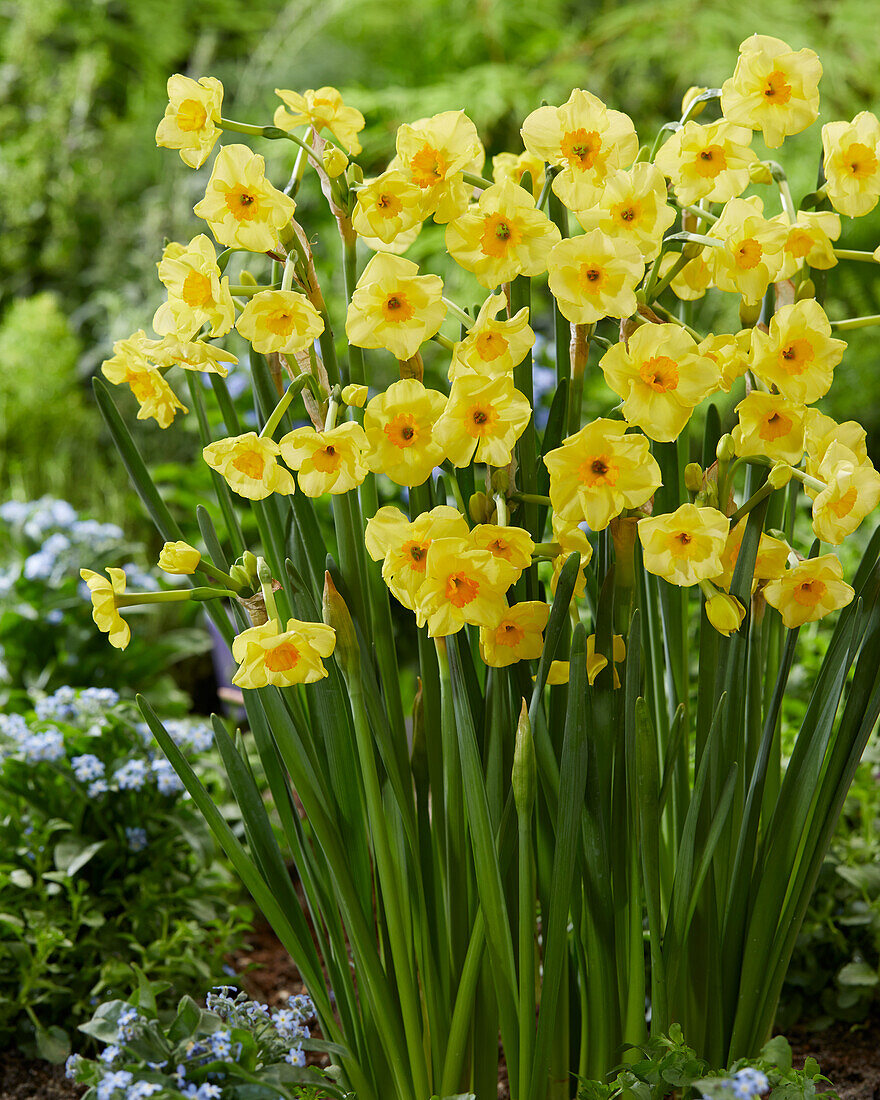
849 1056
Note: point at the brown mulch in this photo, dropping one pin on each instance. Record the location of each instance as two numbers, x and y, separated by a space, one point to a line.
847 1054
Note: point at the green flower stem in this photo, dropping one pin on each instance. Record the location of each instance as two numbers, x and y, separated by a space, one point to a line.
756 498
805 479
547 188
653 291
287 277
667 315
356 368
854 254
272 132
281 408
175 595
459 313
856 322
264 575
208 567
703 215
476 181
245 290
530 498
781 180
443 341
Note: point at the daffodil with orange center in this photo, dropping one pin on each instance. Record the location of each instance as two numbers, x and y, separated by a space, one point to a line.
774 89
821 431
511 544
770 561
661 377
399 426
242 208
402 546
599 471
322 108
432 153
729 353
809 241
632 206
707 162
583 138
249 464
462 585
483 419
505 235
685 546
197 294
280 320
131 366
852 164
810 591
770 425
751 256
493 346
269 655
853 491
394 307
596 662
595 276
798 354
517 637
332 461
387 207
513 166
197 355
104 593
191 117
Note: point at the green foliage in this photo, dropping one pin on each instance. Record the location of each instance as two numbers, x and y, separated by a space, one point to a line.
235 1045
105 868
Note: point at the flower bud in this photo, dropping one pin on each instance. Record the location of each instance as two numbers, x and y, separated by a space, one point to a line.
693 477
725 613
725 451
179 558
749 313
780 475
481 508
807 289
413 367
246 279
354 395
335 161
355 175
335 613
239 576
759 172
688 98
523 777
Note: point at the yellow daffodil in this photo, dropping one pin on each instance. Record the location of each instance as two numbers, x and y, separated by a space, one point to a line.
131 366
402 546
692 281
661 377
322 108
179 558
770 425
774 89
853 491
394 307
482 415
751 256
585 139
707 162
493 347
810 591
808 241
196 355
595 276
197 294
599 471
852 164
462 585
821 431
685 546
632 206
560 670
249 464
770 561
104 610
513 166
191 117
502 237
729 353
798 354
399 426
279 320
268 655
387 207
354 394
725 613
333 461
517 637
242 208
511 544
433 152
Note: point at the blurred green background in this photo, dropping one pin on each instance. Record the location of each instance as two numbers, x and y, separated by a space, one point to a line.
86 198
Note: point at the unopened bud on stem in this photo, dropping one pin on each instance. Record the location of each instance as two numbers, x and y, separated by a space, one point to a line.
523 776
335 613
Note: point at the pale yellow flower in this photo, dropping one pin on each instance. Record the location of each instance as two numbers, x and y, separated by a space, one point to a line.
852 164
322 108
707 162
191 117
493 346
595 276
394 307
197 294
280 320
632 206
242 208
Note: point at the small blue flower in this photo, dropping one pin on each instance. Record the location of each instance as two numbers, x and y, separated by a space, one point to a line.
221 1044
167 779
44 745
87 767
295 1056
97 788
136 837
73 1060
142 1089
127 1024
110 1053
208 1091
121 1079
748 1082
131 776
